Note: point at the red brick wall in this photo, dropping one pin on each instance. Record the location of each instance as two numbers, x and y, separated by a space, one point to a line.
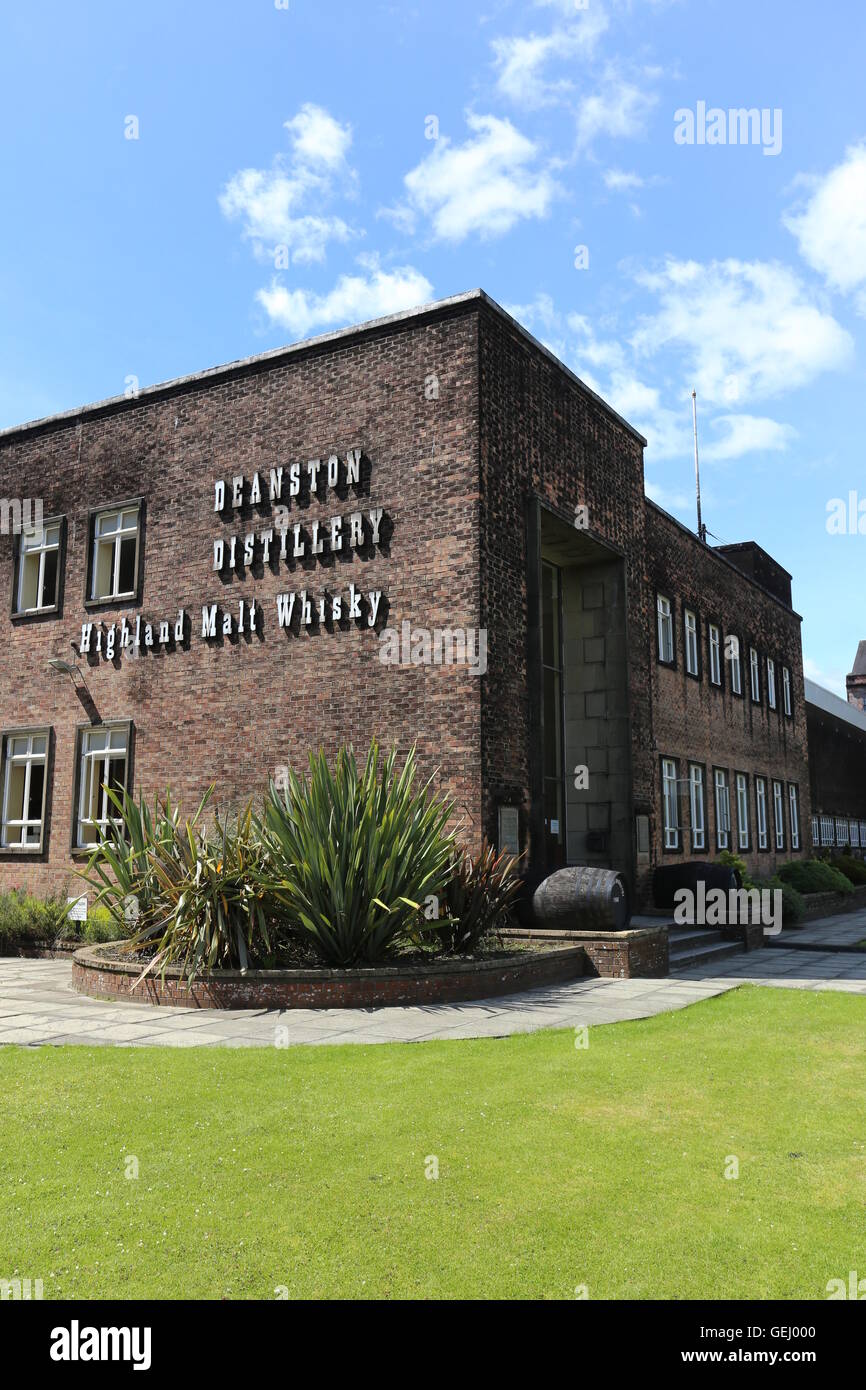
542 433
230 713
698 721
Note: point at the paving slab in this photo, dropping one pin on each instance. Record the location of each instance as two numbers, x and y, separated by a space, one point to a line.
39 1007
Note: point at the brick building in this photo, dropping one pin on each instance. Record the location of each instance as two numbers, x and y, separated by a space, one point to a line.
425 529
855 682
837 767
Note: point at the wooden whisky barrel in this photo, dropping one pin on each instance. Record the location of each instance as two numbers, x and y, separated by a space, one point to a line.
582 899
669 878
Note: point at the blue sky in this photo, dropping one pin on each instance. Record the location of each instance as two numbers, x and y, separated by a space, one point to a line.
301 167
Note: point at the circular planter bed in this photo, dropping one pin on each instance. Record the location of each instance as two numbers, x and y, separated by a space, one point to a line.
96 974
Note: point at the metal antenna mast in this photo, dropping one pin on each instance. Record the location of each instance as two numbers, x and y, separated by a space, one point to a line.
702 530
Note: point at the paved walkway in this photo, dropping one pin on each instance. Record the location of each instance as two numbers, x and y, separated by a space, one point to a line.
845 932
38 1005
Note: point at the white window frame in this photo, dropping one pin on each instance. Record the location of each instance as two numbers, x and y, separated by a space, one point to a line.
816 831
786 691
690 626
863 833
723 808
744 829
842 834
97 744
754 675
779 813
670 804
828 831
715 644
794 815
697 806
35 543
771 682
665 627
28 758
761 806
124 529
736 663
855 835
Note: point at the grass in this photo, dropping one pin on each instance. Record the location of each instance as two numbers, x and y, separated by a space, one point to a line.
304 1168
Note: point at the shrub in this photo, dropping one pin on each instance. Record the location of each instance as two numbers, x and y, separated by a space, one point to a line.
354 854
793 904
852 868
27 918
191 895
814 876
121 866
206 898
733 861
478 898
102 926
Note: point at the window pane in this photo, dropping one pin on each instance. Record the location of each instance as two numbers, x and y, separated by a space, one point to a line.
552 742
29 582
37 781
49 579
116 777
550 615
38 744
106 525
15 802
103 576
126 582
118 738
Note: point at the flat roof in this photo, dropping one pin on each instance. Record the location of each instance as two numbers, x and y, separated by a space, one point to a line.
723 559
833 704
276 355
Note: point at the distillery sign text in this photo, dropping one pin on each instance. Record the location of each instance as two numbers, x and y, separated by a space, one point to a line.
283 538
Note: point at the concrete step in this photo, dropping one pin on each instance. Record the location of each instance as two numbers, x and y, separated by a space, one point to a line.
683 957
680 937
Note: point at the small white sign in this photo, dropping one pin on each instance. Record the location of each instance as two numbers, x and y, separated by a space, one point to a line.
77 909
509 829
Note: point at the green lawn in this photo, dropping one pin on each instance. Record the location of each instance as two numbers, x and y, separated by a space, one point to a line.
558 1167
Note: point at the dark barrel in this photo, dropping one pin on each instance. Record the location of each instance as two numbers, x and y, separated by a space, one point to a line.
581 899
670 877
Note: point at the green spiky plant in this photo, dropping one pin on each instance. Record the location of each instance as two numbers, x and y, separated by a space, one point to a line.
354 854
478 899
195 892
120 866
210 899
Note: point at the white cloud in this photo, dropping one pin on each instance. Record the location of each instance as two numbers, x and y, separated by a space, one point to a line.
663 414
618 181
669 498
831 227
521 60
745 328
619 109
830 680
317 138
353 299
746 434
484 185
274 204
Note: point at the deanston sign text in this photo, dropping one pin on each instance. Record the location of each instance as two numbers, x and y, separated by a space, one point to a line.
282 541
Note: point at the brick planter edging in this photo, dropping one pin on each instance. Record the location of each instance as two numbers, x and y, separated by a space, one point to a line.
831 903
30 949
443 982
639 953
